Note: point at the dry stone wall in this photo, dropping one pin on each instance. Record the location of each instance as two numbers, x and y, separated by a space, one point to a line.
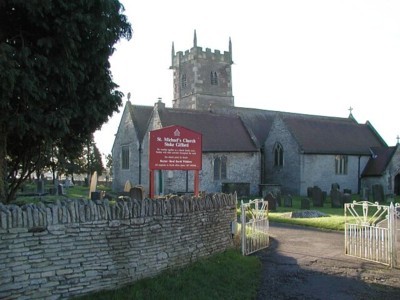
72 247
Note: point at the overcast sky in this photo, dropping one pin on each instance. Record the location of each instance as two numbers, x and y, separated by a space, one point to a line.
317 57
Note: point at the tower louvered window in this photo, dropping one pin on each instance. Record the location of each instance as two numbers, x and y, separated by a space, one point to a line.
183 81
214 78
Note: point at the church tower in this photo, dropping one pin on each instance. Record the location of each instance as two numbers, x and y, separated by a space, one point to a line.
202 79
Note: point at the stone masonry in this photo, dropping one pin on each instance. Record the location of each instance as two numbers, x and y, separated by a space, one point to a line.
73 247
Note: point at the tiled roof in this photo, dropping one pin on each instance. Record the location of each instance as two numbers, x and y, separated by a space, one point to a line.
329 135
220 132
380 158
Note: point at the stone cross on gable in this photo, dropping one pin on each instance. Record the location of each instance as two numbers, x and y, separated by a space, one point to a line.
350 109
397 138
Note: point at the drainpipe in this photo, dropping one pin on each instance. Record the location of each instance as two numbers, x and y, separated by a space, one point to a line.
359 174
140 163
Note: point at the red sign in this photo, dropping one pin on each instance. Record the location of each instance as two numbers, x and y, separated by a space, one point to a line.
175 148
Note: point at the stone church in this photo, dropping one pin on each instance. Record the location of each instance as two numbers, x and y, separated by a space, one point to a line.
249 150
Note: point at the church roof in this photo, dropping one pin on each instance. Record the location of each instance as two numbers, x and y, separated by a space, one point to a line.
220 132
380 158
330 135
239 129
140 116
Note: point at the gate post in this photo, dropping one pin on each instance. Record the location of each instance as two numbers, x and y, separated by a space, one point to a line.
243 224
392 236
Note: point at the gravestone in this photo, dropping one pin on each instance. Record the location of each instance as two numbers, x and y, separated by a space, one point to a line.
127 187
137 193
93 184
336 198
40 186
60 189
278 199
305 203
347 191
271 201
377 193
317 197
365 194
310 191
287 201
346 198
335 186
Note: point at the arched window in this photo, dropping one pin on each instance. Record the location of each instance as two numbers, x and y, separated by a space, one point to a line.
220 167
125 157
214 78
183 81
341 164
278 155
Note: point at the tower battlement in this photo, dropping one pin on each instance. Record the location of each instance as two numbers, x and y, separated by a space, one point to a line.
199 53
202 78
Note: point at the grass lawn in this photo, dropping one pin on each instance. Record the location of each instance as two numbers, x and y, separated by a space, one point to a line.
227 275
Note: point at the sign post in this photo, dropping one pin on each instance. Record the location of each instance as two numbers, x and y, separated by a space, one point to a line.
175 148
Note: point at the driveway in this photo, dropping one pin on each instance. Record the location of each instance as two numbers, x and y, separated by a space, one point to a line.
307 263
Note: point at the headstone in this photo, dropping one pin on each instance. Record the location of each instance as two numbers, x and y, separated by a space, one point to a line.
271 201
60 189
287 201
137 193
335 186
347 191
93 184
40 186
377 193
67 183
96 195
278 199
346 198
305 203
128 186
309 191
317 197
336 198
365 194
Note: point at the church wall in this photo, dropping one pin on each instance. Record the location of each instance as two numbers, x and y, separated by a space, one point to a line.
319 170
241 167
287 176
126 136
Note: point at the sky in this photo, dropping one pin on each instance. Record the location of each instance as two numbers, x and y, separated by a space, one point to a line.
317 57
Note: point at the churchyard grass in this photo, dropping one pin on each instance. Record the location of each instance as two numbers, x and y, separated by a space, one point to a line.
227 275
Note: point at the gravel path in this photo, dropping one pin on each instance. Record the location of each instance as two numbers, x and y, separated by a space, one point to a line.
306 263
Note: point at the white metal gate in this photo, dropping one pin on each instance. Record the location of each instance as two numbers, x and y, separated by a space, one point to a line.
255 232
371 231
